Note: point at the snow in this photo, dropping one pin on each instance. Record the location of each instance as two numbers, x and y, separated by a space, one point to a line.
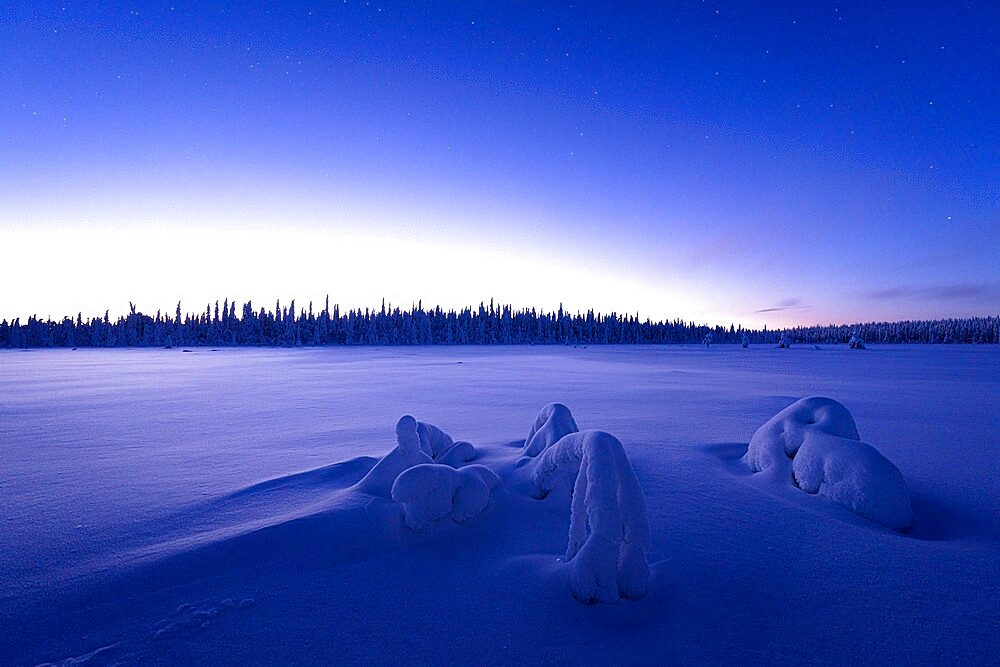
608 530
408 452
853 474
776 442
160 507
428 492
552 423
433 441
818 439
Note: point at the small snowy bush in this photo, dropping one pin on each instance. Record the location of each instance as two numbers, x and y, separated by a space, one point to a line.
552 423
818 440
433 440
784 342
609 532
432 491
777 441
856 343
406 454
457 454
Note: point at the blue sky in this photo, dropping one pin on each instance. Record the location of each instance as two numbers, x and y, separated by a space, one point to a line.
770 162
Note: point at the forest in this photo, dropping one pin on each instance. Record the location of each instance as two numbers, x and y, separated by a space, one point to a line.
486 325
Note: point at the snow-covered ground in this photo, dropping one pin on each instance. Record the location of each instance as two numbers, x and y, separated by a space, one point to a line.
171 507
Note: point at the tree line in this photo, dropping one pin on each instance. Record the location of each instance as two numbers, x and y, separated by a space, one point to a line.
485 325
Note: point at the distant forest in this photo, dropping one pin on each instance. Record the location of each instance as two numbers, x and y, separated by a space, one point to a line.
485 325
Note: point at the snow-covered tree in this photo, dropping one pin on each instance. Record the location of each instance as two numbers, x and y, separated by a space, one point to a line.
609 532
817 441
552 423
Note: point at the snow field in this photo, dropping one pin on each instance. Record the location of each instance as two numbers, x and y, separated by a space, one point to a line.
140 490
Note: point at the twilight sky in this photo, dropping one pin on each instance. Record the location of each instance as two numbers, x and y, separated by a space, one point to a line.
750 162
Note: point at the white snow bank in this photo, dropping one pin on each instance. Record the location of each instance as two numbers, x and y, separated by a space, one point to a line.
552 423
609 532
406 454
818 439
433 491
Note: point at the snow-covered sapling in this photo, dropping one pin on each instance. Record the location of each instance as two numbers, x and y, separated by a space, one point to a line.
433 440
818 440
432 491
784 341
458 453
552 423
707 341
856 343
439 446
609 531
406 454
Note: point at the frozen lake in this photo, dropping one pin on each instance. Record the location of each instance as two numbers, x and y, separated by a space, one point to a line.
134 482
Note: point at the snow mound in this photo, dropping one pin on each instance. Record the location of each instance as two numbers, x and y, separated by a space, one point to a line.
552 423
609 531
431 491
854 475
433 441
407 453
459 453
818 439
777 441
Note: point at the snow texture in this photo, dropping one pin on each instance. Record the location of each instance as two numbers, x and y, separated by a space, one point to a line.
609 532
140 489
433 441
552 423
458 453
818 439
428 492
407 453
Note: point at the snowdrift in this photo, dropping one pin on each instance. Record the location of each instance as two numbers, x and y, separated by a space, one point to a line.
817 440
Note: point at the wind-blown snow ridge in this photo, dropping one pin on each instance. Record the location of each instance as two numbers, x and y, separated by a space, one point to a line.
817 439
609 531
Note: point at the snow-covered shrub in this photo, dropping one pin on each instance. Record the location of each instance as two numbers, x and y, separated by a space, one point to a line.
457 454
406 454
854 475
745 341
707 341
856 343
433 440
784 341
608 532
818 440
777 441
433 491
552 423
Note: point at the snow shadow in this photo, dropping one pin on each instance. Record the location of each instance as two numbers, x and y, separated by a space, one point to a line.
935 518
